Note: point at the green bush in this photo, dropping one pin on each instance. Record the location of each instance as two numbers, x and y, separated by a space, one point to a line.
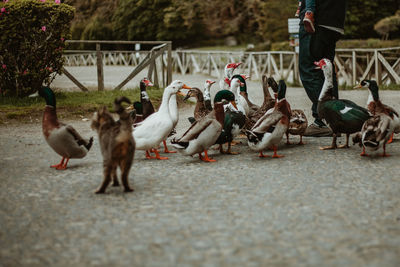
31 44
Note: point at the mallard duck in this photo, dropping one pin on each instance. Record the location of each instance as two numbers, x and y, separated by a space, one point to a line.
156 128
342 115
62 138
144 108
269 129
200 109
234 121
243 92
375 105
202 134
224 84
207 94
268 103
274 86
375 133
297 125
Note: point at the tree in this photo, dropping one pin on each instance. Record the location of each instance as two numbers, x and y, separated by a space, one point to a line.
389 25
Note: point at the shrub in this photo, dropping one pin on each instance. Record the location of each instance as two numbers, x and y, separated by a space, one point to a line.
31 43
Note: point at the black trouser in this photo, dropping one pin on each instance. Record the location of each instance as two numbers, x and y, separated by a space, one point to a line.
314 47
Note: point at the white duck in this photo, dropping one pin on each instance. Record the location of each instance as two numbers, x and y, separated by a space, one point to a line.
207 94
242 105
156 128
224 84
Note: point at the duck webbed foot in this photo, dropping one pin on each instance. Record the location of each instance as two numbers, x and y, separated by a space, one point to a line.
275 155
261 155
384 152
301 141
347 142
363 154
206 158
166 148
229 150
391 138
332 146
61 165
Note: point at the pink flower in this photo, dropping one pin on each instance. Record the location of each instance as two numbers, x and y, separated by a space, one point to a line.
57 1
42 1
3 9
44 28
4 66
62 39
5 1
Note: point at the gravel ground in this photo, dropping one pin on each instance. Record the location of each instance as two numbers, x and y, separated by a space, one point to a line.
329 208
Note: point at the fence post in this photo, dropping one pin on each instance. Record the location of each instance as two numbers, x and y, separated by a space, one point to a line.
169 63
378 68
100 74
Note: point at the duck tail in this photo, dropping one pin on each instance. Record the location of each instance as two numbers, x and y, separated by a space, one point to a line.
89 144
179 144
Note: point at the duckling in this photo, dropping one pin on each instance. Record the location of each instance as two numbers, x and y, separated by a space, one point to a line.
202 134
342 115
234 121
225 83
155 128
62 138
207 94
200 109
375 105
375 133
269 129
297 125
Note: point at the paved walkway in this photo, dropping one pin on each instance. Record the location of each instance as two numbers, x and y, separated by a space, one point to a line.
310 208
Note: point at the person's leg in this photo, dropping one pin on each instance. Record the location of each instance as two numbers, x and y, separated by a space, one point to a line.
310 6
311 78
323 45
309 16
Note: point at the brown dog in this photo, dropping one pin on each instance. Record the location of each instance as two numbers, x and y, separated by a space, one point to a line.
116 143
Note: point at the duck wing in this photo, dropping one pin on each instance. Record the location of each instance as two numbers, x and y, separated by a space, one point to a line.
266 122
195 129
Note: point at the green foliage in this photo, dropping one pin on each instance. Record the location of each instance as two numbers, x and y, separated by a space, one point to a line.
31 44
362 15
389 25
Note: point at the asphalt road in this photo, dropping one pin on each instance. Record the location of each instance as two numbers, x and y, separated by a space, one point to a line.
310 208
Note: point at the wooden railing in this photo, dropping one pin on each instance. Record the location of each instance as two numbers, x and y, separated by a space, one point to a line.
353 65
160 53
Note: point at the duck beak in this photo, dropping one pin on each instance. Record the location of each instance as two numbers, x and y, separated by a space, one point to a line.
318 67
129 108
358 86
234 104
186 87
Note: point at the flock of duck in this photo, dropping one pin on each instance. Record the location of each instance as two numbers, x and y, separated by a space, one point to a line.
231 114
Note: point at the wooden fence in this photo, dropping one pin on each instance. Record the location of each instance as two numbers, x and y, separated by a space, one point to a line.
353 65
161 52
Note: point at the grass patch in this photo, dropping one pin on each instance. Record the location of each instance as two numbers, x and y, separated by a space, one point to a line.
69 104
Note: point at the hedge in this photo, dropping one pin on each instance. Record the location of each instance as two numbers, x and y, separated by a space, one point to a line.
31 43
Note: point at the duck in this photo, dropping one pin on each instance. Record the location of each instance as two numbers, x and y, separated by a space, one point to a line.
173 112
229 68
342 115
202 134
270 128
375 105
144 108
61 137
207 94
375 133
156 128
243 92
200 109
234 121
268 102
297 125
241 102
